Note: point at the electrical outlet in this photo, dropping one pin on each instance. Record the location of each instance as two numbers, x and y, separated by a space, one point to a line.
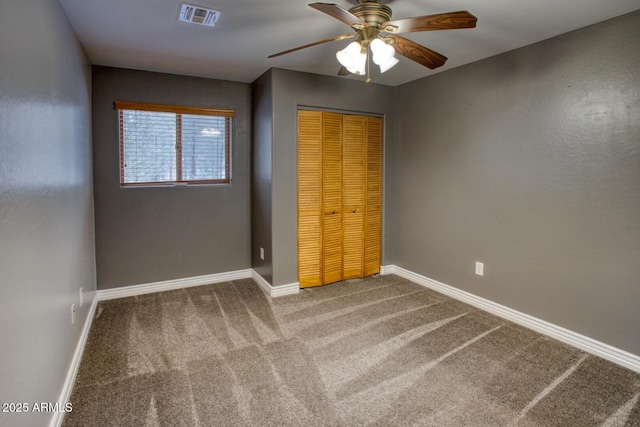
73 314
81 297
262 253
479 268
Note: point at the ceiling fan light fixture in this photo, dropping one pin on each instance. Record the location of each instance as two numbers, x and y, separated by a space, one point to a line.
389 64
360 64
347 56
382 52
352 58
360 67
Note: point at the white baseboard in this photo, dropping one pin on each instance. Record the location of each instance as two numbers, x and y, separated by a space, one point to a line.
67 388
275 291
169 285
387 269
613 354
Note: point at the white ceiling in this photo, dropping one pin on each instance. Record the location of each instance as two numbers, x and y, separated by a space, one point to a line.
146 34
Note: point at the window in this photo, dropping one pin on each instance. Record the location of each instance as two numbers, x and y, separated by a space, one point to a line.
170 145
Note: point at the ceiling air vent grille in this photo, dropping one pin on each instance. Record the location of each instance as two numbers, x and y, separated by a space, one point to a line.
198 15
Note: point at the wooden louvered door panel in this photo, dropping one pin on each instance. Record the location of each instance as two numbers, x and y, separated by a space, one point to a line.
373 198
353 192
332 196
310 214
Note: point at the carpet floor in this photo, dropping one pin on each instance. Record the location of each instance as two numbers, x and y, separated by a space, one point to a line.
380 351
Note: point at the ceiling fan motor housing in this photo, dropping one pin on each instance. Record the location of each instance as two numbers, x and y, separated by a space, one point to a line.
372 12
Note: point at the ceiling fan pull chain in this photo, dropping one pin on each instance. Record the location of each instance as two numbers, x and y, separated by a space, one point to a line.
368 79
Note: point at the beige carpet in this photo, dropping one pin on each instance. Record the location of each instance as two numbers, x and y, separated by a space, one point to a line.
378 351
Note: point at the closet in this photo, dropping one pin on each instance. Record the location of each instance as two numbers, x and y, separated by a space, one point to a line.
339 196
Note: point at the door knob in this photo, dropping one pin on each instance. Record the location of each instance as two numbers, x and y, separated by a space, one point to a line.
354 210
333 211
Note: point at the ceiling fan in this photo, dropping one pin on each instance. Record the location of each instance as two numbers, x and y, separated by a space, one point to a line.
376 32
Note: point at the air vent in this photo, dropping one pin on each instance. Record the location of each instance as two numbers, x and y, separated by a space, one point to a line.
198 15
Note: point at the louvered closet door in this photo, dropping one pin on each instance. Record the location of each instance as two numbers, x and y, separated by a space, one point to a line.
332 196
353 192
339 196
310 215
373 198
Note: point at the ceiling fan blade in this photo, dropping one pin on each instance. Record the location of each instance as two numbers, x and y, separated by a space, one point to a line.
333 39
417 52
343 71
339 13
442 21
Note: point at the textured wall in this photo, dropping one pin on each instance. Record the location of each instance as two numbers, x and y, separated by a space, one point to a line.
46 206
145 235
530 162
291 90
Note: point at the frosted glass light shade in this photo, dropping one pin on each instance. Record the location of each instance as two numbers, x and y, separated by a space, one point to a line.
389 64
360 62
347 56
382 52
352 58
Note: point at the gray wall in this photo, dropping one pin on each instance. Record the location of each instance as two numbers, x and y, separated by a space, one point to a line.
530 163
46 206
145 235
261 174
290 90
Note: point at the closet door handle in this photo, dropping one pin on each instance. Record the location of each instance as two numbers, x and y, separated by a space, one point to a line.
353 210
333 211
